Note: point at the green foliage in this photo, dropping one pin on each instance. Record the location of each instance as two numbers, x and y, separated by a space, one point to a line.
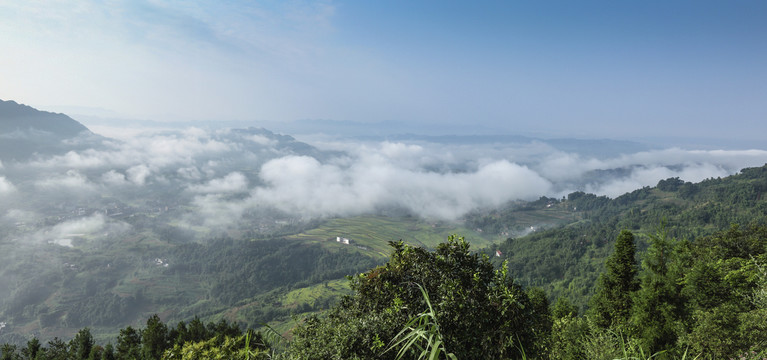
57 350
567 261
611 304
220 340
481 312
659 312
422 333
109 353
568 334
82 344
154 338
695 299
8 352
243 269
563 308
32 349
372 233
219 347
111 284
128 344
698 299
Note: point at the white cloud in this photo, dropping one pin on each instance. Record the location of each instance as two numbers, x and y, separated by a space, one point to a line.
561 167
649 167
6 186
18 215
114 178
215 211
96 225
211 169
72 180
231 183
261 140
189 173
154 150
303 185
138 174
86 225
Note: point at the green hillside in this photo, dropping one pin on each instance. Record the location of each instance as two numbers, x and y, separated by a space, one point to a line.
566 261
52 291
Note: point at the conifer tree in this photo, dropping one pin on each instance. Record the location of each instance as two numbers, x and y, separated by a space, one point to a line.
82 344
154 338
128 344
32 349
109 352
611 304
659 305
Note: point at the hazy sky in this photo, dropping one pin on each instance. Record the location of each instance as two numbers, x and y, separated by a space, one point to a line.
577 68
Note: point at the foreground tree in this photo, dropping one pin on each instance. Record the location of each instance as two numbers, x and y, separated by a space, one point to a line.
128 344
154 338
481 313
82 344
612 301
659 307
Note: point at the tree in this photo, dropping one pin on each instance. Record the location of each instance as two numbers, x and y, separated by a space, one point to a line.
659 307
612 301
32 349
128 344
8 352
481 313
154 338
57 350
82 344
109 352
197 331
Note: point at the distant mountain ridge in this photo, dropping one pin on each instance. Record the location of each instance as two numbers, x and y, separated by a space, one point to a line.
19 117
26 131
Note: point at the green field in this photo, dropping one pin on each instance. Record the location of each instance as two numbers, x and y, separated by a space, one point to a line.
371 234
313 295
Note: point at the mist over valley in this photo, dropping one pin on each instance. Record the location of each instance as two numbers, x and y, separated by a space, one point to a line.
215 177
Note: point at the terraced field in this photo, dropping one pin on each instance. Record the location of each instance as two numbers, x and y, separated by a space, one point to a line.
371 234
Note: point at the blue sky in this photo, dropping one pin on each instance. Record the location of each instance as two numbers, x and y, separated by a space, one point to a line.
561 68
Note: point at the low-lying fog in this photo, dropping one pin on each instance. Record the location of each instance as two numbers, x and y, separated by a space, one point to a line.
216 177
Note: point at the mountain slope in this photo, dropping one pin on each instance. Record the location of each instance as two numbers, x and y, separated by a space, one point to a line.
566 261
26 131
18 117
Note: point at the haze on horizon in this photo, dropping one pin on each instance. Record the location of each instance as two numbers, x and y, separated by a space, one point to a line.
577 69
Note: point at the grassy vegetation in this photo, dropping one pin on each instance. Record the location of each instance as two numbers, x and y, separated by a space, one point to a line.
312 295
371 234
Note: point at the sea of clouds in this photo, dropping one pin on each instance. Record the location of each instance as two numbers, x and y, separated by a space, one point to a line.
220 175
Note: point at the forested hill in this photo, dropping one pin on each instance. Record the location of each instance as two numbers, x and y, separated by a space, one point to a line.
566 261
